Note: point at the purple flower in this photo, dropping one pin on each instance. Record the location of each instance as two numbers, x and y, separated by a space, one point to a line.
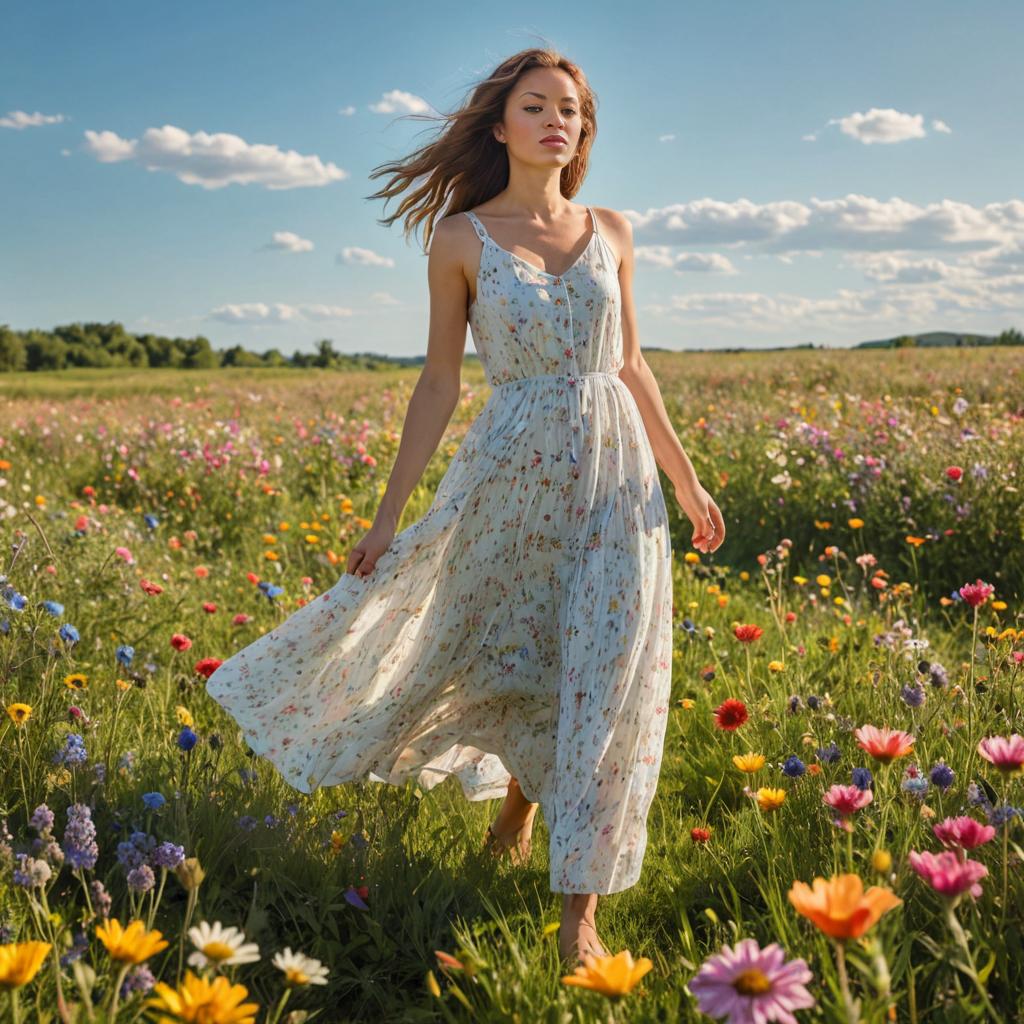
913 696
80 847
100 898
862 778
32 873
167 855
748 984
829 754
141 878
942 775
247 822
138 979
42 819
78 948
153 801
793 767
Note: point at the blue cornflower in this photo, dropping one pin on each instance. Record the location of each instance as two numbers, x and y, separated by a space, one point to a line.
55 608
247 822
78 947
794 704
80 849
689 626
942 775
862 778
829 754
153 801
73 752
814 702
793 767
271 590
938 675
151 520
68 633
1002 814
917 785
187 739
976 796
16 601
124 654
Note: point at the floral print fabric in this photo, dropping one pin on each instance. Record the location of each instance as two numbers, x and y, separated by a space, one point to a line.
523 625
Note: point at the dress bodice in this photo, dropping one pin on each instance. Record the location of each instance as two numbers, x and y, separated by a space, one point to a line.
526 322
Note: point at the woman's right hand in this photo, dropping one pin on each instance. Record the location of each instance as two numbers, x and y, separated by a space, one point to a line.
363 557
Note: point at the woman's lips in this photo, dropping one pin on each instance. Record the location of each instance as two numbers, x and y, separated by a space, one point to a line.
553 142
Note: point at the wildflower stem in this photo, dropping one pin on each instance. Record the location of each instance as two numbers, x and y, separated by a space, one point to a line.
971 695
280 1006
115 995
961 938
15 1007
852 1008
1006 852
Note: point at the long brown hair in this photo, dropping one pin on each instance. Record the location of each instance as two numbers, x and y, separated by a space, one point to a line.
466 165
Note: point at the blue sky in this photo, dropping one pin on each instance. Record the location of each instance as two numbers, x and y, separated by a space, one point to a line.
796 172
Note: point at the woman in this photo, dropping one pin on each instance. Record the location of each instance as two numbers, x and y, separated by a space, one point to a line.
518 636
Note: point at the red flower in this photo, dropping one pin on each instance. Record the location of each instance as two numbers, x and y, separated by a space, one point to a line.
209 607
180 642
240 619
954 472
151 588
700 835
731 714
791 616
747 634
207 666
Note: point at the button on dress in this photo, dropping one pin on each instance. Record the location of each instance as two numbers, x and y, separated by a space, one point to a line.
523 625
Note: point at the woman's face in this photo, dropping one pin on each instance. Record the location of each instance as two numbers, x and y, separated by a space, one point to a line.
543 102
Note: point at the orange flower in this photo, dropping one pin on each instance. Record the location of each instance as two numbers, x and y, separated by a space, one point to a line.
884 745
840 907
613 976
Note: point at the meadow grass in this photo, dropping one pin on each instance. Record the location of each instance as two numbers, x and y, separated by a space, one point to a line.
848 542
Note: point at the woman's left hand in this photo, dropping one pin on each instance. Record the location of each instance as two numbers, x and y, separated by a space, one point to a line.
706 517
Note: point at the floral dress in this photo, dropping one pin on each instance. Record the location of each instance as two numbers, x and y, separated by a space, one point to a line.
523 625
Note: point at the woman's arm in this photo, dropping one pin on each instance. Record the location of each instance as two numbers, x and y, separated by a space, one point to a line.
434 398
637 376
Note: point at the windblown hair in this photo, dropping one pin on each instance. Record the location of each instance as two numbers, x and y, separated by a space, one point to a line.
466 165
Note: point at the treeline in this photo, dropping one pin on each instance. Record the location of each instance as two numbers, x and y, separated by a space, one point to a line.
110 345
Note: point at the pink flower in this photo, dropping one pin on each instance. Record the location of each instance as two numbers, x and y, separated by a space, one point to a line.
963 832
180 642
847 799
946 873
884 744
749 984
125 554
976 593
1006 754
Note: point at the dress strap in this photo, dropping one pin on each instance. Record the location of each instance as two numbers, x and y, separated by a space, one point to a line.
481 231
593 221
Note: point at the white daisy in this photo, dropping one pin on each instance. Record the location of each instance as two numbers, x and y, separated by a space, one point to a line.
300 969
217 945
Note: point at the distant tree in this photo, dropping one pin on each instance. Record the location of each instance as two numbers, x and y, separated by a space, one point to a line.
12 350
905 341
325 355
1011 336
45 351
198 353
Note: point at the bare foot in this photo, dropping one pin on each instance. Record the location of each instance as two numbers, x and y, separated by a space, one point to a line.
512 831
577 935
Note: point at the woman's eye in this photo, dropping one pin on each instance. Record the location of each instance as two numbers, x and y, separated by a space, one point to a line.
534 106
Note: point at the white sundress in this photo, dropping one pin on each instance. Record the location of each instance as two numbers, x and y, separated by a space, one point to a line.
523 625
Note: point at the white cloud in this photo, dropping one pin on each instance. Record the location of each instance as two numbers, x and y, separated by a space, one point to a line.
941 126
696 262
288 241
18 119
396 101
881 125
384 299
667 137
276 313
214 161
852 222
347 111
354 255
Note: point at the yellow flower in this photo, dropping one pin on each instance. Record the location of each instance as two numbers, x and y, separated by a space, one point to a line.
76 681
610 975
799 580
855 523
122 684
999 606
432 985
184 715
691 557
20 962
881 861
687 703
19 713
744 575
822 579
204 1002
749 763
769 799
776 666
130 945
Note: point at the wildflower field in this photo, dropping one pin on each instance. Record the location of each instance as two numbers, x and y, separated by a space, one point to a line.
837 833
